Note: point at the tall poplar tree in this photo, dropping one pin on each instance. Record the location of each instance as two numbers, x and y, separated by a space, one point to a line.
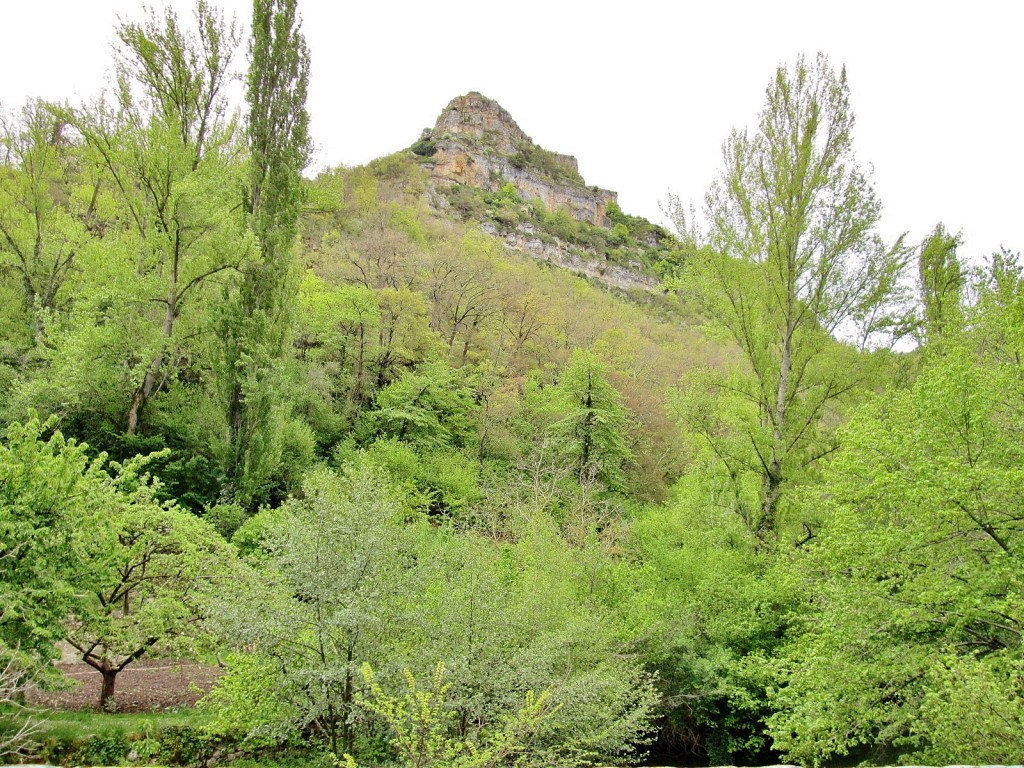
795 257
256 330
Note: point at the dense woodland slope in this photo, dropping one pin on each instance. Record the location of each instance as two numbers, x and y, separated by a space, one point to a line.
449 461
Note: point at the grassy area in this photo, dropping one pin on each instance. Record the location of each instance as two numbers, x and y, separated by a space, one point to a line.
67 725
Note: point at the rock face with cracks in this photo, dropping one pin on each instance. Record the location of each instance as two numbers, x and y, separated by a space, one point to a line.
479 144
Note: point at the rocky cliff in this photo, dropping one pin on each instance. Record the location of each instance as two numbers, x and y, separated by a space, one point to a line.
476 142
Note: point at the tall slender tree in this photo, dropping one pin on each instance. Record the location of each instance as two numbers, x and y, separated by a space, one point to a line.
794 256
256 330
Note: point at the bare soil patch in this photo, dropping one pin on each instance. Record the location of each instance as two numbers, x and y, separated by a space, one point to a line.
148 685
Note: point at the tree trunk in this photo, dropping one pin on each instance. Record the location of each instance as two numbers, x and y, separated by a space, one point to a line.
107 702
236 420
348 699
768 525
143 393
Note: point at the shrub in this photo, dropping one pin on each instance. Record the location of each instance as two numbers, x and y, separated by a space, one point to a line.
529 155
425 146
171 745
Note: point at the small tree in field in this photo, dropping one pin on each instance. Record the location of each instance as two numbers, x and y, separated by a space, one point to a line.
88 555
138 571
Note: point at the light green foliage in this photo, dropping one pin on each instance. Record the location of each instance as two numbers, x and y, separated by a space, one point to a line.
731 439
509 619
592 430
333 574
168 150
917 576
169 282
440 480
333 317
45 209
46 484
445 290
712 611
560 223
318 598
138 568
278 124
640 230
792 257
430 407
941 284
250 702
972 710
93 350
463 289
174 139
421 722
335 335
93 558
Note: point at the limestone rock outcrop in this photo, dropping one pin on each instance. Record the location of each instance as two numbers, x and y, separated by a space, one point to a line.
524 239
477 143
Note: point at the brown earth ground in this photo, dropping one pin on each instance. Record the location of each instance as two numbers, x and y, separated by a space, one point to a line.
148 685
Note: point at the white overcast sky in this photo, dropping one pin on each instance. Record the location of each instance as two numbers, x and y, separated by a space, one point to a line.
642 92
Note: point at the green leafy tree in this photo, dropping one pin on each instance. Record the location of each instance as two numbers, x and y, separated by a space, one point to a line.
593 428
45 209
168 151
506 619
941 284
333 574
915 620
430 407
793 257
462 289
713 610
255 327
440 480
46 484
334 336
139 569
89 556
319 598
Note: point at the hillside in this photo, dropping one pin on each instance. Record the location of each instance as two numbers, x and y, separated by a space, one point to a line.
457 288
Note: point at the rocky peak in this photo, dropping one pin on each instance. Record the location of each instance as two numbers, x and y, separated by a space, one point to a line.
482 120
477 143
